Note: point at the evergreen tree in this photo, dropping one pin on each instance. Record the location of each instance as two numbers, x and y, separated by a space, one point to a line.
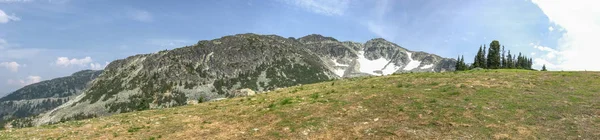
493 57
519 61
509 61
503 58
544 68
463 65
457 65
514 59
460 64
530 63
482 59
477 60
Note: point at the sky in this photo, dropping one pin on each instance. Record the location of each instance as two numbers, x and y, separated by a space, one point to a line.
45 39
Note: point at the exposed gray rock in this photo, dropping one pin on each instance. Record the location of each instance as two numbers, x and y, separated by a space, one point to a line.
215 69
243 92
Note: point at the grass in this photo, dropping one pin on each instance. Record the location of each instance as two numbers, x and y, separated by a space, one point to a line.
487 104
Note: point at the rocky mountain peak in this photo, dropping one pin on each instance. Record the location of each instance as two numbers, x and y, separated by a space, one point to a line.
380 43
316 38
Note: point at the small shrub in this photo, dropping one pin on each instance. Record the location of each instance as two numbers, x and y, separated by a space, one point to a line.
271 106
401 108
285 101
314 96
200 99
134 129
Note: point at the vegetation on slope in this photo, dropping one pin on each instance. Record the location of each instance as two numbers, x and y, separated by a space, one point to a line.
19 107
484 104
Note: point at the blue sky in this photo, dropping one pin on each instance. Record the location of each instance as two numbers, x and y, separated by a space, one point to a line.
45 39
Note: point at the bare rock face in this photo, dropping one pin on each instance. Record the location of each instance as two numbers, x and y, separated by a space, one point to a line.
243 92
237 65
375 57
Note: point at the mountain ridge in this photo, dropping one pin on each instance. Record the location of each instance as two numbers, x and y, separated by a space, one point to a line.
215 68
40 97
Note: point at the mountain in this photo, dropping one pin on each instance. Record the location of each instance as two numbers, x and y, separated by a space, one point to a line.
40 97
217 68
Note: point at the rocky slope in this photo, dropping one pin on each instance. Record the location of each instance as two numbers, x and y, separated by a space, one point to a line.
218 68
40 97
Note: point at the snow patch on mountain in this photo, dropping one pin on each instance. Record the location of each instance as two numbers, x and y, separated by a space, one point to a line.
390 69
339 69
412 64
371 66
427 66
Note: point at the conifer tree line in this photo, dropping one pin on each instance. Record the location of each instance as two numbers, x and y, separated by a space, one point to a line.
495 58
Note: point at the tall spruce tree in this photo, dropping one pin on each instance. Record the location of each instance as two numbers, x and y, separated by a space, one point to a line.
482 59
530 63
493 57
515 61
503 58
463 65
477 60
519 61
509 61
457 65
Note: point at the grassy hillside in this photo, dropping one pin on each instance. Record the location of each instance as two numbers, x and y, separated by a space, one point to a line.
502 104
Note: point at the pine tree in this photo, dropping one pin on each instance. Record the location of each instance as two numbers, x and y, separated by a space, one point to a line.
519 61
509 61
530 63
544 68
514 59
503 58
493 60
457 65
463 66
482 59
477 60
460 64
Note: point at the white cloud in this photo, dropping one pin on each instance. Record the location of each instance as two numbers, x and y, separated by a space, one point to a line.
85 62
325 7
579 18
551 28
550 55
539 62
29 80
66 62
4 18
97 66
12 66
141 15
